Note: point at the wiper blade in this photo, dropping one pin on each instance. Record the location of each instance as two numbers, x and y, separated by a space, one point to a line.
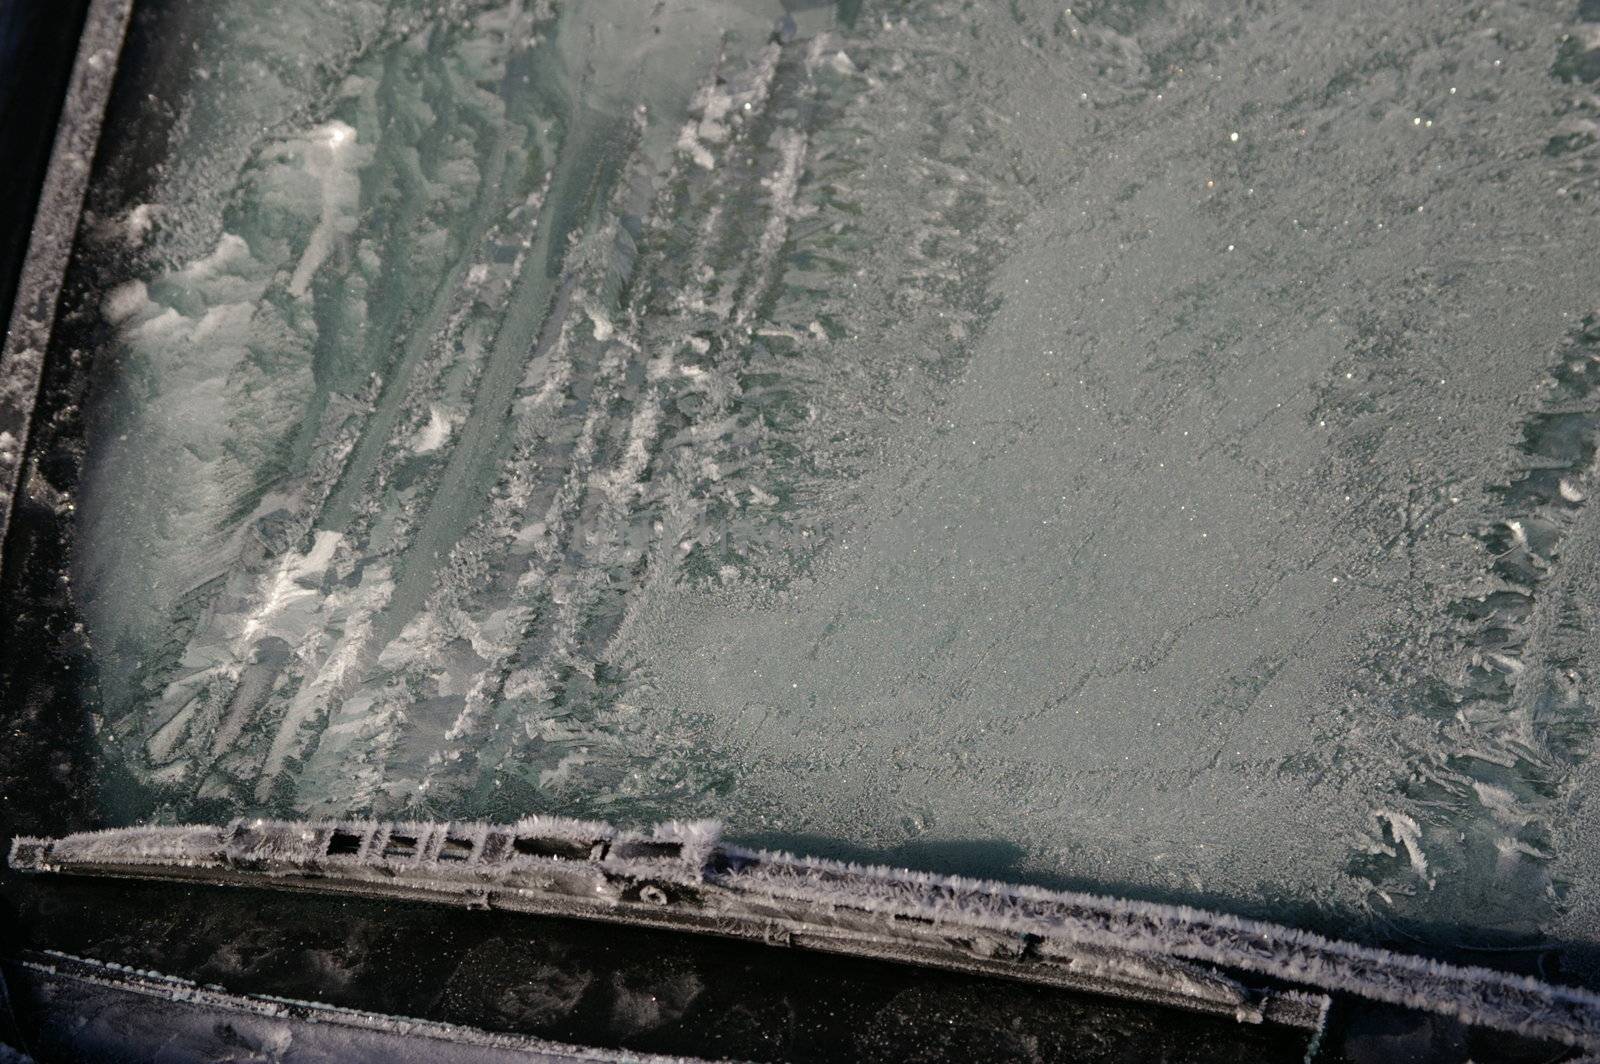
682 876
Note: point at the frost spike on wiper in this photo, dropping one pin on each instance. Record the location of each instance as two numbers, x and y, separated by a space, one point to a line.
681 876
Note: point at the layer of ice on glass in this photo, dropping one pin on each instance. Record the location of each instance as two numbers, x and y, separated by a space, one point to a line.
1139 445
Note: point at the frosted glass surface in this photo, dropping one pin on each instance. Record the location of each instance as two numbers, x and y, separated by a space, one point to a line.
1136 444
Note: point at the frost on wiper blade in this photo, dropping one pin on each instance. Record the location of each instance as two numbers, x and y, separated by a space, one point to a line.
683 877
1121 446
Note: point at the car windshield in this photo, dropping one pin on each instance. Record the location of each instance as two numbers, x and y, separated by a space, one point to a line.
1134 445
